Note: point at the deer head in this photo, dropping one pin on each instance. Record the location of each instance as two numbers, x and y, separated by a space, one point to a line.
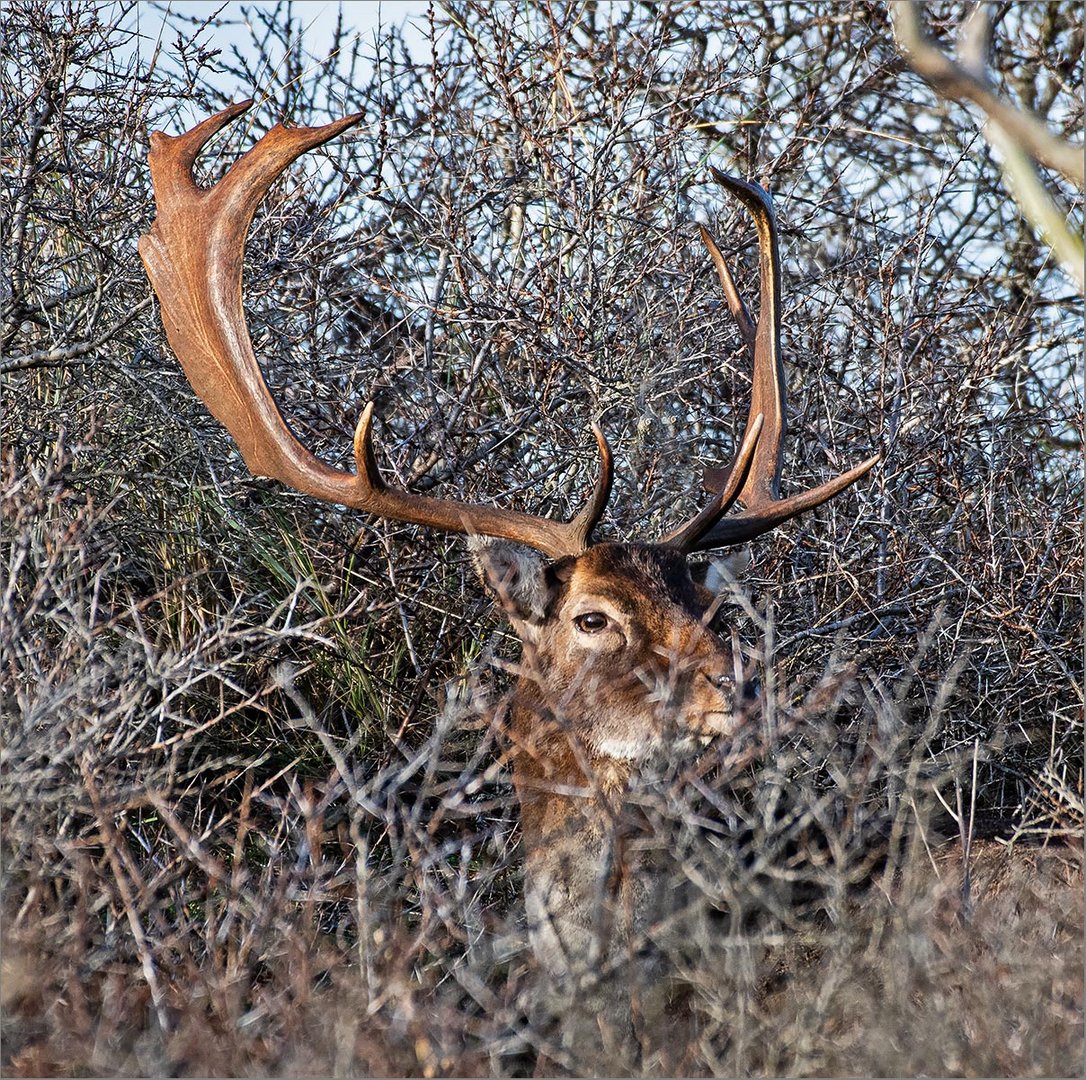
616 635
618 647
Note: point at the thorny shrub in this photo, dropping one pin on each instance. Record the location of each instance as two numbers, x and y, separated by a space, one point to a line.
256 812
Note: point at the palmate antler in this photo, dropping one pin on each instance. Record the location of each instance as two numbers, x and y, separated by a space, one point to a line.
754 477
194 254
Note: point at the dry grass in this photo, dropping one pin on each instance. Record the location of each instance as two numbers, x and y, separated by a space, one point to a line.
256 816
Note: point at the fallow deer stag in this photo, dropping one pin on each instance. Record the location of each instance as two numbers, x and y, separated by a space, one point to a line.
618 653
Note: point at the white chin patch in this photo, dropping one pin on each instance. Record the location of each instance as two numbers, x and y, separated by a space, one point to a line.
713 725
623 749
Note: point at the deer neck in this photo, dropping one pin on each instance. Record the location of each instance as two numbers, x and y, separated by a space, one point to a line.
586 891
561 785
574 821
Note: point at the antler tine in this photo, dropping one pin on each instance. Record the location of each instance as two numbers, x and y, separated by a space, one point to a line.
756 475
686 536
194 254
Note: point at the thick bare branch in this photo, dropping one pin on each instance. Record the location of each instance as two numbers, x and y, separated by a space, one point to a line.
1020 137
955 80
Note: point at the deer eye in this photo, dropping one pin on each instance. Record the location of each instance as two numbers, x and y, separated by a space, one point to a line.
591 622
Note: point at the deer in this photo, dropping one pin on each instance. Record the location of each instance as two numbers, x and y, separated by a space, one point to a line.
621 661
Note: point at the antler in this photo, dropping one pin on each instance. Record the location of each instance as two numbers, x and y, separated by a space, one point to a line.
754 476
193 255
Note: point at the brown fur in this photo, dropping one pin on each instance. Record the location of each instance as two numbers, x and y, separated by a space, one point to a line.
588 711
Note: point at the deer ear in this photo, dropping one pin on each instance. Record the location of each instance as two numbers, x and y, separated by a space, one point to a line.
518 579
722 571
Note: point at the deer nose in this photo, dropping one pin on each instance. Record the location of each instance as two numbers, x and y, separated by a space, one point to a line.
746 690
720 680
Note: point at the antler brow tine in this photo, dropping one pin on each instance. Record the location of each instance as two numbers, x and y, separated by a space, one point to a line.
194 254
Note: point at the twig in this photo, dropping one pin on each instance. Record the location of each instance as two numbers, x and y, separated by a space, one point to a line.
55 357
110 840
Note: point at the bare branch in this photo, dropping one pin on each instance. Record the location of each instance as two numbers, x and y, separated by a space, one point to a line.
58 356
956 81
1018 135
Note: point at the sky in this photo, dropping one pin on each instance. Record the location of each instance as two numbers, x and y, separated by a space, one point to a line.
364 15
228 22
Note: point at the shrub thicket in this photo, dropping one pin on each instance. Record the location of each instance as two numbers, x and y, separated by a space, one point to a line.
256 813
